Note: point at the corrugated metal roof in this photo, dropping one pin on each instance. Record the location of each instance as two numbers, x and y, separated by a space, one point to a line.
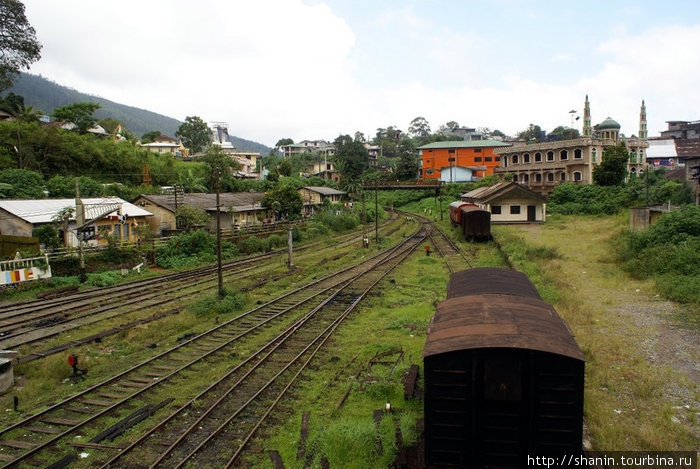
488 194
464 144
491 307
665 148
480 280
231 201
39 211
499 321
324 190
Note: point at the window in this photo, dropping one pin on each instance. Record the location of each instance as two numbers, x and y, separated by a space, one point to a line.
498 158
515 178
477 159
488 158
515 159
578 176
515 209
526 178
562 177
495 210
538 177
451 151
563 155
550 177
429 171
477 150
526 158
550 156
578 154
595 155
538 157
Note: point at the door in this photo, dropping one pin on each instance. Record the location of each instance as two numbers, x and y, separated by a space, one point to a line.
531 213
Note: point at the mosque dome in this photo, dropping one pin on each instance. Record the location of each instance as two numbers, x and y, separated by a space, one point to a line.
608 124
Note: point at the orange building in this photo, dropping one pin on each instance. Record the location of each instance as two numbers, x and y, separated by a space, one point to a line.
459 161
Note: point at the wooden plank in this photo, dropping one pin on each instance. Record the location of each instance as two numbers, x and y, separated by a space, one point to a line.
60 421
276 459
7 457
98 402
141 380
79 410
153 375
130 384
303 435
17 444
87 444
164 367
110 395
39 429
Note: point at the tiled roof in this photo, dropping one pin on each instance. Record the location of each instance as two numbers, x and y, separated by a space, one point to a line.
324 190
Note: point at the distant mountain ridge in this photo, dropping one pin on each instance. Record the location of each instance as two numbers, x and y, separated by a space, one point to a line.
45 95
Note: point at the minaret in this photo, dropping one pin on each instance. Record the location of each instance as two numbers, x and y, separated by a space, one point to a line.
587 118
643 122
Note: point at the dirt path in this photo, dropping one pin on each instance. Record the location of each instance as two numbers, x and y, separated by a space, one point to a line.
635 347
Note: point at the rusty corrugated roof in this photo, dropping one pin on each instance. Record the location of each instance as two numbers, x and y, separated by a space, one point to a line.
497 308
482 280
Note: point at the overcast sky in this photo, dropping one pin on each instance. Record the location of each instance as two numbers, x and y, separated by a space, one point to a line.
307 69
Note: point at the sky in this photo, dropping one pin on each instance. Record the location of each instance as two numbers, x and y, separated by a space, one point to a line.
312 69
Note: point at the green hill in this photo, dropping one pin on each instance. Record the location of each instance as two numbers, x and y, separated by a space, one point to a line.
46 95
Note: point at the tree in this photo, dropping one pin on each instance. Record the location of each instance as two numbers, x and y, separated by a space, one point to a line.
408 166
282 142
533 132
48 236
19 47
25 184
219 166
350 158
563 133
80 114
194 133
188 217
64 187
612 170
285 200
419 128
148 137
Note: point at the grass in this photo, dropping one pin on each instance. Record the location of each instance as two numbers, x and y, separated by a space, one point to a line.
629 400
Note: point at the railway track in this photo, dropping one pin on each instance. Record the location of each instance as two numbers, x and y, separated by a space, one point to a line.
37 439
33 321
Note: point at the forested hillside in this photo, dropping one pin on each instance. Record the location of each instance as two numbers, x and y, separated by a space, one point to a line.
46 95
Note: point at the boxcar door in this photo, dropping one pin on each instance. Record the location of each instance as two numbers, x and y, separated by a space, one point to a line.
501 411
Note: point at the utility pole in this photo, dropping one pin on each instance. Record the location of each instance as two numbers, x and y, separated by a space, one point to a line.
290 248
376 215
80 221
220 274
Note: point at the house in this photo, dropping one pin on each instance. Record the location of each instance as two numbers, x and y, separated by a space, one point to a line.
459 161
313 196
542 166
323 169
164 144
692 175
102 216
509 202
238 209
320 147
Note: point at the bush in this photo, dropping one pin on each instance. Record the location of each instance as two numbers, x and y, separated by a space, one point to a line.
668 251
211 306
192 248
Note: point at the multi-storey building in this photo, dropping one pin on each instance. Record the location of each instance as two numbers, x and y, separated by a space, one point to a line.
459 161
542 166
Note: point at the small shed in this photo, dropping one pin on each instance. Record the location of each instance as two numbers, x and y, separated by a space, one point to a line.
509 202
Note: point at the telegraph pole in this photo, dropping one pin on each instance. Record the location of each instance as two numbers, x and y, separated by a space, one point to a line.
220 274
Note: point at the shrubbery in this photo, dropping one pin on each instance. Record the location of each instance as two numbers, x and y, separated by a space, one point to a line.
668 251
192 248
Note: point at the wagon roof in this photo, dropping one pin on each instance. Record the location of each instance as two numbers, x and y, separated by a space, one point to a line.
490 280
499 321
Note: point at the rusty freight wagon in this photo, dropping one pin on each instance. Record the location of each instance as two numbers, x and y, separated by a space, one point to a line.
456 212
475 223
503 375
